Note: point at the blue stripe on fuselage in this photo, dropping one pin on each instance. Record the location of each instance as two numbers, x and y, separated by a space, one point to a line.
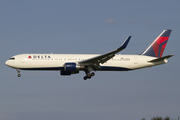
102 68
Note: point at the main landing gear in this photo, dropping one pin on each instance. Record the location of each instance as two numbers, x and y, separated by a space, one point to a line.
19 75
89 75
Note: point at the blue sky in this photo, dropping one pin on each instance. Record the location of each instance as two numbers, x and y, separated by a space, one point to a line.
85 27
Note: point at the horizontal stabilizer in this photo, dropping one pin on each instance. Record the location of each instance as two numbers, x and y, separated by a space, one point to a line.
161 59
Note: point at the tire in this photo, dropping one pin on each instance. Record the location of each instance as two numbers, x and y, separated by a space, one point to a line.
85 77
92 74
19 75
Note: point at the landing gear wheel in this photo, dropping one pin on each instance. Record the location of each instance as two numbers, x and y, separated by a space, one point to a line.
92 74
88 75
85 77
19 75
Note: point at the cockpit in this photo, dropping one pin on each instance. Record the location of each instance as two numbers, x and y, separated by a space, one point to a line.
12 58
10 62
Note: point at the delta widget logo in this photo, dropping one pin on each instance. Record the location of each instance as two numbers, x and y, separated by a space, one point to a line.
159 46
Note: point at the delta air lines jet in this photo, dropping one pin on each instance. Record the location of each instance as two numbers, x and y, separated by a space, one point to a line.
69 64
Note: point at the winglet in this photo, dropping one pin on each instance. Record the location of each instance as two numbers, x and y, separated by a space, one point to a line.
124 45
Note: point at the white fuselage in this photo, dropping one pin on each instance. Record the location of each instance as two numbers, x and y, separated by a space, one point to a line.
57 61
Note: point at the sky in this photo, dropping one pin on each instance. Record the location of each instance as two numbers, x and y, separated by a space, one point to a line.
88 27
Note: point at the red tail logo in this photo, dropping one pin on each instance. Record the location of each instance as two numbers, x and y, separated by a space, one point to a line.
159 46
156 49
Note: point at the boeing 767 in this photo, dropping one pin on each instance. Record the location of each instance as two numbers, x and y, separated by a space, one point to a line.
69 64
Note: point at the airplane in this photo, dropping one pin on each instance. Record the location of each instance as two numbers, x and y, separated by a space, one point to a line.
69 64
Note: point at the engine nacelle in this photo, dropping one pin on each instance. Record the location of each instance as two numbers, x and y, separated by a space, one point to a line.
70 68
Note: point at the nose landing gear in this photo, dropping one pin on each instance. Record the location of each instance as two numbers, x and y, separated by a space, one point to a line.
19 75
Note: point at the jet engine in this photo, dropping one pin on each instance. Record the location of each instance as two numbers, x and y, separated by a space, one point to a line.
70 68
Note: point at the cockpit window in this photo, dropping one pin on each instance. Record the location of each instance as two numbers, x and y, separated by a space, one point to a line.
12 58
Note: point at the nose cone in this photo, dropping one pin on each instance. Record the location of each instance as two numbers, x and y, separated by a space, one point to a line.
9 63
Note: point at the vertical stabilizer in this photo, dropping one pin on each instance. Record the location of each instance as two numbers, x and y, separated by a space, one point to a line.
157 47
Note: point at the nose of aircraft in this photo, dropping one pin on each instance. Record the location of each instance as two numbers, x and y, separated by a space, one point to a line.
9 63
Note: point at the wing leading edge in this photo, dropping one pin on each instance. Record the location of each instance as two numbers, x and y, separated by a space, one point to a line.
104 57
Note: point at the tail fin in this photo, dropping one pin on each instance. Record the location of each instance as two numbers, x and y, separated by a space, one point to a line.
156 48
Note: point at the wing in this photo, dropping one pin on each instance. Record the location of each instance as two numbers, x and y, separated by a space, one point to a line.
104 57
